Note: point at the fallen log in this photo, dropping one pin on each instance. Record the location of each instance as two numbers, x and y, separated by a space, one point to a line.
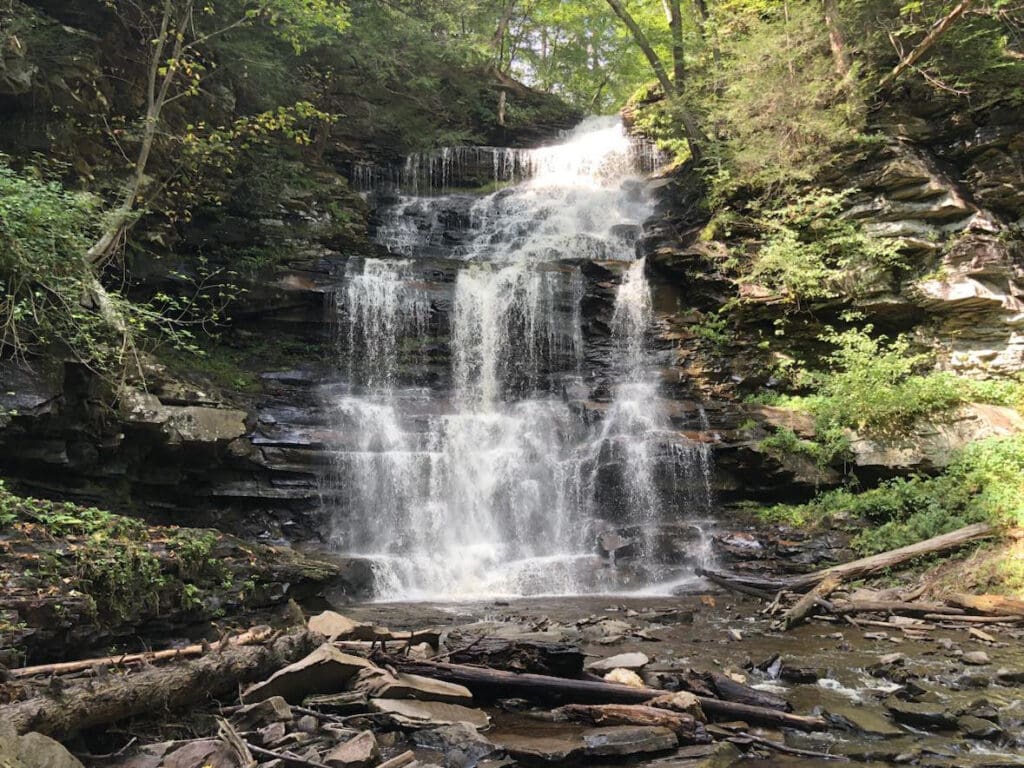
729 581
848 607
744 739
855 569
490 684
686 727
965 619
995 604
158 688
399 760
803 607
729 690
254 635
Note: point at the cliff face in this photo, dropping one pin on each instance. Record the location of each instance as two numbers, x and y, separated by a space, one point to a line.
942 181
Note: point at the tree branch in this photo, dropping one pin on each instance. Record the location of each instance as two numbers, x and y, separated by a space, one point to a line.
938 29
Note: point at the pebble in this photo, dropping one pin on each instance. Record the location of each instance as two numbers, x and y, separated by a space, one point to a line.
307 724
734 634
976 658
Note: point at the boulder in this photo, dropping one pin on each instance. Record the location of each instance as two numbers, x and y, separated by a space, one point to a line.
334 626
206 753
625 677
272 710
409 713
33 750
460 743
618 741
933 442
384 685
326 670
360 751
680 701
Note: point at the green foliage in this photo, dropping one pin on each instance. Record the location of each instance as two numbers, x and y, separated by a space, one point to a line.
876 385
303 23
772 90
115 560
808 248
1007 392
44 232
714 329
824 450
660 120
984 483
977 59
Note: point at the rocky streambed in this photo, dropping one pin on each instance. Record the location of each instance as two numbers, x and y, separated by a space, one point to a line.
357 695
939 696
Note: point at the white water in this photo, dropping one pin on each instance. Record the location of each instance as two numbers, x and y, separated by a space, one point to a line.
482 480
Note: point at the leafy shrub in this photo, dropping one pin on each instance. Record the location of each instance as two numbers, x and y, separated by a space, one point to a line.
873 384
44 234
808 247
823 451
984 483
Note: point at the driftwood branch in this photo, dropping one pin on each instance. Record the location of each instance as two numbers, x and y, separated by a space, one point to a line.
855 569
938 29
803 607
254 635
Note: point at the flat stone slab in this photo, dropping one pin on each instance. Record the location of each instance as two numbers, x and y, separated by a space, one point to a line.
325 670
557 744
631 661
361 751
866 720
333 625
403 686
922 715
628 740
426 714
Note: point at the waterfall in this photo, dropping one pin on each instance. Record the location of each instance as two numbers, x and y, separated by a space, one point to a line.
465 465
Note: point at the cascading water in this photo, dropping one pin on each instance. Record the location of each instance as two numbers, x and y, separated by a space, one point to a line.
465 468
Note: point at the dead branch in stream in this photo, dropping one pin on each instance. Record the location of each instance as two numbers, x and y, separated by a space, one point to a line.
492 684
855 569
806 604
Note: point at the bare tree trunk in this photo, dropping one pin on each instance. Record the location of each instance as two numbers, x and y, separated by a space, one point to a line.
854 569
694 135
836 39
171 31
493 683
156 688
938 29
645 47
675 25
803 607
501 32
